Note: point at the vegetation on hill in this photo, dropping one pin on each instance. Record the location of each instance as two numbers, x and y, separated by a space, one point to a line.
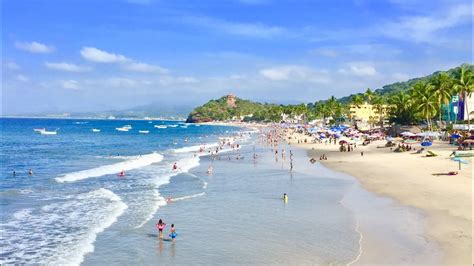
409 102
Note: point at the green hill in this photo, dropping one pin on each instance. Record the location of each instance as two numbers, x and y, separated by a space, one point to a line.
400 86
224 108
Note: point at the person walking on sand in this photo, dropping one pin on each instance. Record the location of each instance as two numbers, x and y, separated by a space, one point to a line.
173 233
361 153
160 226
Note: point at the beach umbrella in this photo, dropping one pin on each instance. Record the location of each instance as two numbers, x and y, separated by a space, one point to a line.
342 142
460 161
455 136
426 144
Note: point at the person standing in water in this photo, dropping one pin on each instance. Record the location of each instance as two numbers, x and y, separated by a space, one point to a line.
30 172
173 233
285 197
160 226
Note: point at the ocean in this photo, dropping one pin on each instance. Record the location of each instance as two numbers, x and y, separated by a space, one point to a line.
75 209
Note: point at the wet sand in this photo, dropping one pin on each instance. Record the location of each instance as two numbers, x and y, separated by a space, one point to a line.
409 179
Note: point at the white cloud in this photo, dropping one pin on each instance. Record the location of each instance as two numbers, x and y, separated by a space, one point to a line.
70 84
144 67
424 28
361 69
255 30
95 55
11 65
34 47
22 78
67 67
294 73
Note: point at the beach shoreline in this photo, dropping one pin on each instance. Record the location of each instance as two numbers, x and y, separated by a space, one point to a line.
408 178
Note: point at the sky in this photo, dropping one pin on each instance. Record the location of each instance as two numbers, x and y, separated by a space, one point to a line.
85 55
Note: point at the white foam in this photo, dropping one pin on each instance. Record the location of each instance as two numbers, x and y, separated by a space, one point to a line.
130 164
184 165
189 197
59 233
195 148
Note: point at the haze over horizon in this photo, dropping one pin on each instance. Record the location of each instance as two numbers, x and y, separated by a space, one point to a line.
83 56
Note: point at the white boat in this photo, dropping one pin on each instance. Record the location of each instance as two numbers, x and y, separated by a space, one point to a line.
44 132
95 130
39 129
160 126
123 129
143 131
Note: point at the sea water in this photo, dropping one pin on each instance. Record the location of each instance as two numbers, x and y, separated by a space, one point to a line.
75 209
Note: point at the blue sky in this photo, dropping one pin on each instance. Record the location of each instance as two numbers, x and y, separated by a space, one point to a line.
71 55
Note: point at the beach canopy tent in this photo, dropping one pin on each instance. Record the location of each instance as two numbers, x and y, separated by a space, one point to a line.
428 134
408 134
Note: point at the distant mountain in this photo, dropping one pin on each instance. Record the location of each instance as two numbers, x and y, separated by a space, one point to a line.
154 110
401 86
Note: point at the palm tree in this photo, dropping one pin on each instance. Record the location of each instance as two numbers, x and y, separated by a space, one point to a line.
401 109
379 104
464 85
425 100
443 89
357 100
369 95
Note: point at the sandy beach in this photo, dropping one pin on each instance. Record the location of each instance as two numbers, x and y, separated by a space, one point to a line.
417 181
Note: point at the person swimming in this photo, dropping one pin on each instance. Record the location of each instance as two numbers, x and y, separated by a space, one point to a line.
210 169
173 233
160 226
122 173
30 172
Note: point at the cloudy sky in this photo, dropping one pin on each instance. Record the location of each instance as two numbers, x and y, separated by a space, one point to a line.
84 55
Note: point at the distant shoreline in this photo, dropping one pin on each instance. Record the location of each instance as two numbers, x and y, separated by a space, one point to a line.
88 118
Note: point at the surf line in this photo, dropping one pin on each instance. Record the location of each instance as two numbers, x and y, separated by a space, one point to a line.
360 244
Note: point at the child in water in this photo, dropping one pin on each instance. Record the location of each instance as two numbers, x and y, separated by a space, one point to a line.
173 233
160 225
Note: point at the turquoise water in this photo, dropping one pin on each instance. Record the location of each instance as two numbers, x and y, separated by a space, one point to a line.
76 209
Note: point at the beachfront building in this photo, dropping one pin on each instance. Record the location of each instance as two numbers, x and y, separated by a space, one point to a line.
456 111
367 113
